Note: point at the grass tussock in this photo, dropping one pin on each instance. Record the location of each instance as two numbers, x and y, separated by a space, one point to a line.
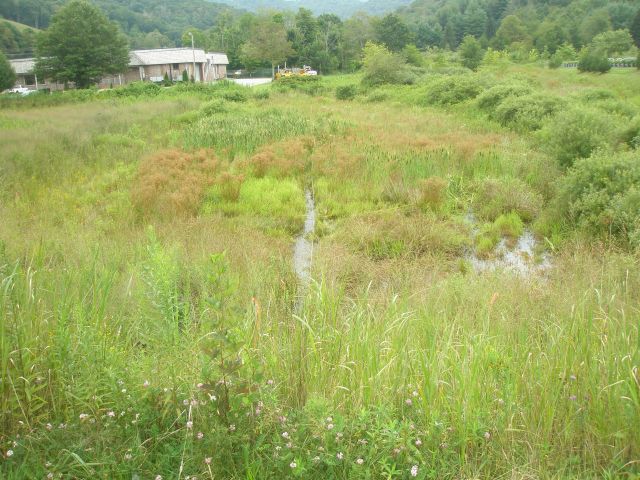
173 182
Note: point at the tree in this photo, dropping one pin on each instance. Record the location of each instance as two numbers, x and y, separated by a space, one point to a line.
393 32
471 52
511 30
635 29
267 43
613 42
475 20
7 75
81 46
594 24
199 38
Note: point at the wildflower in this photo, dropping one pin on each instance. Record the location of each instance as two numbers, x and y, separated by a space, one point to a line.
189 424
487 436
359 461
278 448
573 377
289 445
49 475
285 434
200 385
9 453
321 449
194 403
293 464
329 419
200 435
330 426
573 398
48 464
415 394
269 382
258 411
232 428
500 402
414 471
124 390
185 402
282 419
409 402
111 414
207 460
362 441
83 416
158 477
146 384
49 427
62 426
339 455
444 445
418 442
396 451
316 459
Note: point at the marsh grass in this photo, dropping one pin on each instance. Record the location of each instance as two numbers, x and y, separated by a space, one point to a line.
125 336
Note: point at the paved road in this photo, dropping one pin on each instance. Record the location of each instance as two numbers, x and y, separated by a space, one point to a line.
251 82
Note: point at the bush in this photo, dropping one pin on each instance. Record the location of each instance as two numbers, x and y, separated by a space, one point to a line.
380 67
602 194
453 90
528 112
235 96
471 52
594 60
214 107
493 97
495 197
346 92
555 61
576 133
432 192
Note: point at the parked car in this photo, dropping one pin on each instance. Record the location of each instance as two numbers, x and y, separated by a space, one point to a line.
21 91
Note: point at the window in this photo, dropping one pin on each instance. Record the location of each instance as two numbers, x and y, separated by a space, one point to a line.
176 66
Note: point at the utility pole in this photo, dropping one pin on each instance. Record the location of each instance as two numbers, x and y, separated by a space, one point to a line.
193 50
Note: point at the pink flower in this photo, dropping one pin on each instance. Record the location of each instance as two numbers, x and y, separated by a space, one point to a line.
207 460
418 442
330 426
146 384
111 414
487 436
408 401
200 435
189 424
414 471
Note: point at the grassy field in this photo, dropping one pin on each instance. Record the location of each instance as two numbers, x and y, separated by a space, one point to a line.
148 299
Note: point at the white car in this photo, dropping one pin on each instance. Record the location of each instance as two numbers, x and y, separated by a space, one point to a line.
22 91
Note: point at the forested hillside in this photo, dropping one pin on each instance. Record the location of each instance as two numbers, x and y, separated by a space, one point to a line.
147 23
342 8
543 24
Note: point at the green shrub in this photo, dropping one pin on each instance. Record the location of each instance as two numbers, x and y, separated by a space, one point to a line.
607 101
494 197
380 66
453 90
602 194
235 96
555 61
594 60
509 225
214 107
576 133
493 97
377 96
346 92
528 112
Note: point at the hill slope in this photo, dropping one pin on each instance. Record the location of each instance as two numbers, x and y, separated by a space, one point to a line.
342 8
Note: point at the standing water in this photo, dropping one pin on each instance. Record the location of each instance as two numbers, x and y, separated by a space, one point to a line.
303 250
